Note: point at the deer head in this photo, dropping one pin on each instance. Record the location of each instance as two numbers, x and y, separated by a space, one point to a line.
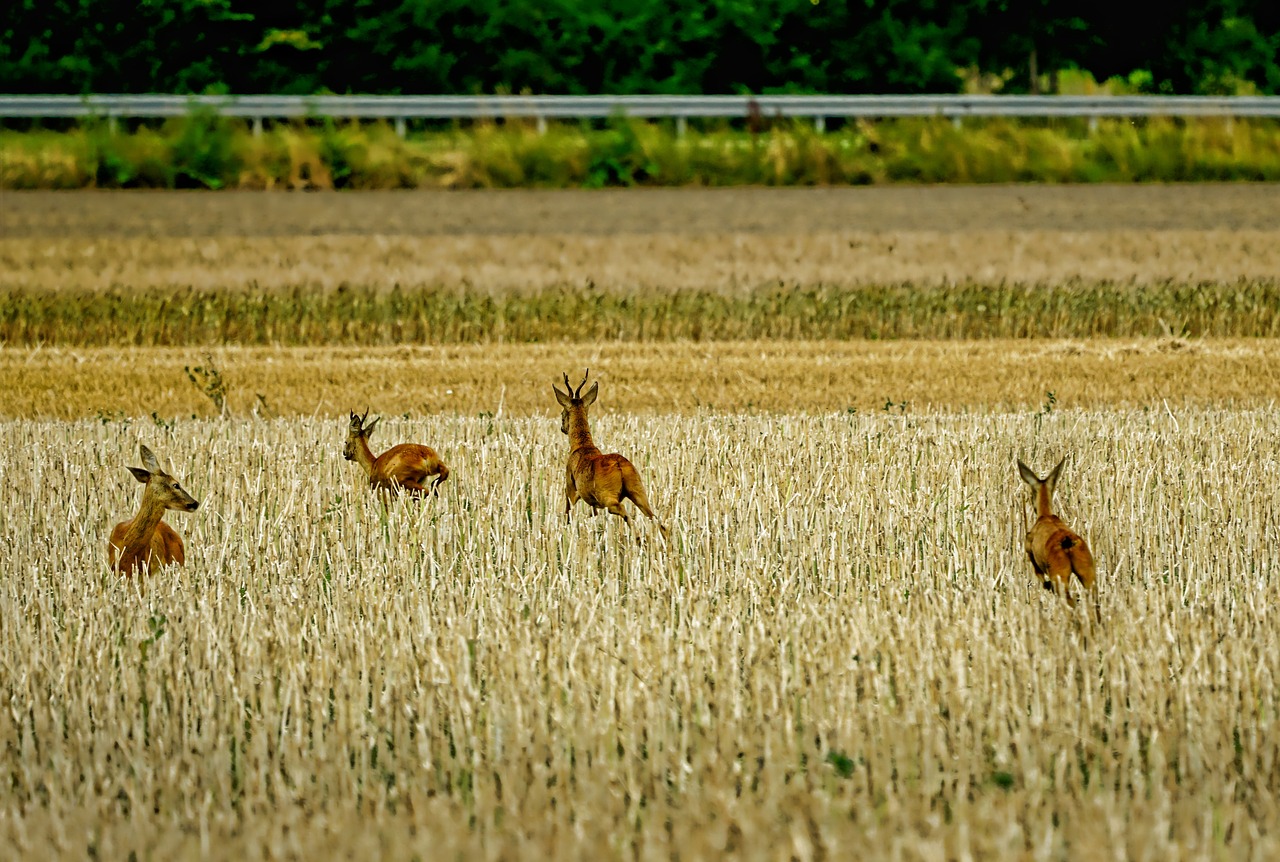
1042 489
356 432
162 487
574 400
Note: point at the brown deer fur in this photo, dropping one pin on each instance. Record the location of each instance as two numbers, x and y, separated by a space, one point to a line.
146 541
1055 550
407 466
602 481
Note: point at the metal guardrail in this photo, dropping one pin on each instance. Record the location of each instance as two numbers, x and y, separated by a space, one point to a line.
543 108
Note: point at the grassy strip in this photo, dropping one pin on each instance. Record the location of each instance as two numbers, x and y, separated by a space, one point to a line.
209 152
364 315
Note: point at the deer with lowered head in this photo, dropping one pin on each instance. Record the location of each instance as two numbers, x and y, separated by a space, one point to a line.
602 481
146 540
409 465
1056 551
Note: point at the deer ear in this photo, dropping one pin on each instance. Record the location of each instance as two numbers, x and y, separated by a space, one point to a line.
1027 476
368 431
561 397
590 397
148 459
141 475
1052 478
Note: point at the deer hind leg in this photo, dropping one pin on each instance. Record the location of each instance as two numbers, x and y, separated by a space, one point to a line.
570 497
1082 565
638 497
1058 579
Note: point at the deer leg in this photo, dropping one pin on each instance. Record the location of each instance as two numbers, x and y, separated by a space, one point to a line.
642 503
1089 585
570 497
618 510
1063 585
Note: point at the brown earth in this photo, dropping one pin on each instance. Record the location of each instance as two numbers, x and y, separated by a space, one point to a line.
676 238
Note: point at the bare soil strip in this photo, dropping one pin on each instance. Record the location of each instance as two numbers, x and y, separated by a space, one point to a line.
1200 206
722 239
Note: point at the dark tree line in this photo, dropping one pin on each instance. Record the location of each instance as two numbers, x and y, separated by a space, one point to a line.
629 46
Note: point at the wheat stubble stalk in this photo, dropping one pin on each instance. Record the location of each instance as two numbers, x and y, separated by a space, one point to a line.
842 647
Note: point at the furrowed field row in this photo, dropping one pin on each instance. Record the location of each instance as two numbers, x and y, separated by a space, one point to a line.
842 646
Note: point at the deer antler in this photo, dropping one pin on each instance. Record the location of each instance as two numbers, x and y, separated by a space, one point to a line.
575 393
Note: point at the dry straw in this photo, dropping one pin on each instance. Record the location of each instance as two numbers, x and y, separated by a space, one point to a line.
842 651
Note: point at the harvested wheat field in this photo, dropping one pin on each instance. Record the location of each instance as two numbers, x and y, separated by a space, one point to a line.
841 652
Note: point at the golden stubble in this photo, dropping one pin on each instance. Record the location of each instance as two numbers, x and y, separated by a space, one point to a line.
719 262
778 377
842 642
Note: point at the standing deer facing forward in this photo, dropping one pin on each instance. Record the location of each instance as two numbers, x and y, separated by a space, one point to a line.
603 481
1056 551
407 466
147 540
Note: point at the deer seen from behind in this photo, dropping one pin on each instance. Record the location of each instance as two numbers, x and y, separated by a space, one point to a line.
1055 550
602 481
147 541
409 465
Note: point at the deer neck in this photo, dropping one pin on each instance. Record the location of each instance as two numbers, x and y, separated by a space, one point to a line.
579 431
1044 501
364 455
137 539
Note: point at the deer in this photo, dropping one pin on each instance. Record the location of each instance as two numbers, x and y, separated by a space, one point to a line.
407 466
602 481
1055 550
146 541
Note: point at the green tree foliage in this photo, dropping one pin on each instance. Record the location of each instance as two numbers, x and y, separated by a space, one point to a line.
627 46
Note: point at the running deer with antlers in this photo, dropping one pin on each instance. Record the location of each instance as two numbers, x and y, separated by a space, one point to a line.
603 481
1056 551
146 541
408 465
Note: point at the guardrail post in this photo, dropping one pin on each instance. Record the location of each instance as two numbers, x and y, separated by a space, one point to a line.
541 124
819 124
257 127
112 124
1093 123
682 125
401 127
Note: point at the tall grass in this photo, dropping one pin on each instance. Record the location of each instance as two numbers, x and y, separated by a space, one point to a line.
206 151
842 647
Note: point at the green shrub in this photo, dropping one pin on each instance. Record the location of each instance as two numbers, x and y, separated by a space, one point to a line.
205 151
